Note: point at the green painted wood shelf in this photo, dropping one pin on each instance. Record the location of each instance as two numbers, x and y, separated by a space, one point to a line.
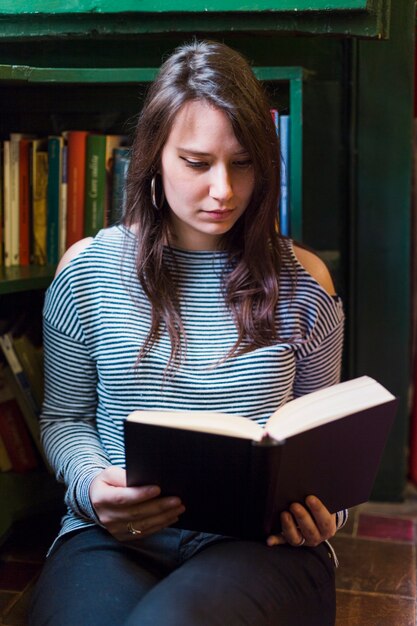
14 279
39 18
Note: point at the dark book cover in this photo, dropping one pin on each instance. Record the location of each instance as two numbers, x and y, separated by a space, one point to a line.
235 486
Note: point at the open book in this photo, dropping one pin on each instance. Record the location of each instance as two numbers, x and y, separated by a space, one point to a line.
236 477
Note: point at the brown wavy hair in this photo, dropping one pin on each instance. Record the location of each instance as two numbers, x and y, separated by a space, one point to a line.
212 72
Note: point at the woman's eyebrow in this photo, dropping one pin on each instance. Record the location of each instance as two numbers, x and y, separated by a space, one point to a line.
207 154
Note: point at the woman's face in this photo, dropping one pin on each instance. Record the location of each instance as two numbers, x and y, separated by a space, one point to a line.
207 176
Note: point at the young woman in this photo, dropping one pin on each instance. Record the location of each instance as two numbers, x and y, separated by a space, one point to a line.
194 302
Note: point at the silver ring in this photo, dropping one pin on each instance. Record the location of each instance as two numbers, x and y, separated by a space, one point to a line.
302 542
133 531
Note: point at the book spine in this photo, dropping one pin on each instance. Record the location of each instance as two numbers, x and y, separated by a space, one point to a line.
14 201
16 438
24 202
284 204
76 185
53 198
275 119
5 462
95 185
112 143
1 207
6 204
39 176
120 168
29 415
31 360
63 202
13 361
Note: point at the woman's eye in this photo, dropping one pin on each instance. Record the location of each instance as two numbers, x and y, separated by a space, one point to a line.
243 164
197 165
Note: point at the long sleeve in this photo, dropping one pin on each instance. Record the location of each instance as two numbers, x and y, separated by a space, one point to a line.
68 429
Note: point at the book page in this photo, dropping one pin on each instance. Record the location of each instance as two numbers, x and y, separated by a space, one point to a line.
326 405
202 421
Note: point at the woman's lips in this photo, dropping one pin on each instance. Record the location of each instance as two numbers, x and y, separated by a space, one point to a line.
219 215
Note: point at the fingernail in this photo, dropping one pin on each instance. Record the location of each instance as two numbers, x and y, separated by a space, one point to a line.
273 540
153 491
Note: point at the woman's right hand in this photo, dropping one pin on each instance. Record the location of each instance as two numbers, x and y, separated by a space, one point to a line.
120 508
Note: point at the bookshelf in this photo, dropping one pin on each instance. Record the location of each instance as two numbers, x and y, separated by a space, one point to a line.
99 55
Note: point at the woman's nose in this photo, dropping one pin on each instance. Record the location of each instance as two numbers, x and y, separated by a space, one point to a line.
221 188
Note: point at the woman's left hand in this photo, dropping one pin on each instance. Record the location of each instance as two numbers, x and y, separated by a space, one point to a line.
307 525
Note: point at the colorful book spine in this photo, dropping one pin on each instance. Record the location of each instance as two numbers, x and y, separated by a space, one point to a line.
275 119
121 161
7 223
16 438
24 203
55 144
95 184
5 462
76 141
6 344
284 204
63 202
31 360
29 415
1 207
13 431
39 183
14 198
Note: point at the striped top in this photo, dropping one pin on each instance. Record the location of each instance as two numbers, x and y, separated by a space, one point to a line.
96 318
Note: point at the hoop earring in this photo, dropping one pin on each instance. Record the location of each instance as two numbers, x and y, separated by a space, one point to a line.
157 206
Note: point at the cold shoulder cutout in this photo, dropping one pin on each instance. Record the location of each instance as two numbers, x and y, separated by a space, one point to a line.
316 267
72 252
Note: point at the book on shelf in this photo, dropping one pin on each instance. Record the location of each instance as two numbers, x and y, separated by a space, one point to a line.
54 200
14 194
275 119
1 207
235 477
39 184
98 179
13 204
284 202
24 203
63 201
22 379
13 431
30 416
7 222
121 161
5 462
31 360
76 141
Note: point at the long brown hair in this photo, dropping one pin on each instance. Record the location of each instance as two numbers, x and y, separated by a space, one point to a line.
212 72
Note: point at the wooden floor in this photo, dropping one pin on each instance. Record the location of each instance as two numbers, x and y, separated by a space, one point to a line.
376 579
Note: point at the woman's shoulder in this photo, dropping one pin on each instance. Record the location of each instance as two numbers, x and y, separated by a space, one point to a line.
72 253
106 245
315 267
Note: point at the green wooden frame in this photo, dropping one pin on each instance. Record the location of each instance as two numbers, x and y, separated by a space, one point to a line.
105 18
195 6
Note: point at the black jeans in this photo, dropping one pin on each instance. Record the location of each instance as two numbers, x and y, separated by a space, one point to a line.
182 578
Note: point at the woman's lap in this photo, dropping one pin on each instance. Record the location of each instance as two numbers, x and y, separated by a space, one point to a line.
183 579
